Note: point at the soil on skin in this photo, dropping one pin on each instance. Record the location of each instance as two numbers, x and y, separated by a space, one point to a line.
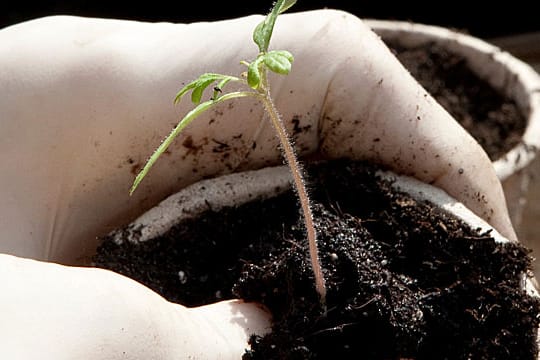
490 117
404 280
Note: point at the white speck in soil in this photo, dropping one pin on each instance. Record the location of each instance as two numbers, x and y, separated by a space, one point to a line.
182 277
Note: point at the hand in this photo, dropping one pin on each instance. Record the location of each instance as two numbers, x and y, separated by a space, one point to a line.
53 311
86 101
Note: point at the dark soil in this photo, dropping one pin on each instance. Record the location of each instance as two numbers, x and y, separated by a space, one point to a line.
404 279
490 117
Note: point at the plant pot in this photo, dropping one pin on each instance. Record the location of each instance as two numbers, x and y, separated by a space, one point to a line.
216 197
527 48
514 79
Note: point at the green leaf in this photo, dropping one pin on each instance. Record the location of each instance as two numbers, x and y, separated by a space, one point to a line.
219 87
287 4
263 31
279 61
254 73
184 90
196 94
261 37
200 84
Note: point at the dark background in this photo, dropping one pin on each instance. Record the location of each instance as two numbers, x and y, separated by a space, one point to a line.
486 19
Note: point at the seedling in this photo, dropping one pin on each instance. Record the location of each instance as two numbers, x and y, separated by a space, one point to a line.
256 83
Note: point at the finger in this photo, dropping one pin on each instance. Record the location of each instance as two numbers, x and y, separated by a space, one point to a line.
57 312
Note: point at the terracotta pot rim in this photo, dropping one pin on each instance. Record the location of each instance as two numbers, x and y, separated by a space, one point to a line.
502 70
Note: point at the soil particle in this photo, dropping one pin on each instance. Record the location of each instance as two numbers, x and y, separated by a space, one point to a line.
135 167
192 148
297 129
404 280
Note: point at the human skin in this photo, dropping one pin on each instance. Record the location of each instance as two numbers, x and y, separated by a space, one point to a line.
86 101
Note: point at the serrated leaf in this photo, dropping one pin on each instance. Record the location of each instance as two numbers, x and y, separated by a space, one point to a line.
279 61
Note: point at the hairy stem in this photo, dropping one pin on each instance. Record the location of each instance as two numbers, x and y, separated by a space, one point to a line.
292 161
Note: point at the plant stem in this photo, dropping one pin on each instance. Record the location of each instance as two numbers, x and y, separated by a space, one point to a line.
292 161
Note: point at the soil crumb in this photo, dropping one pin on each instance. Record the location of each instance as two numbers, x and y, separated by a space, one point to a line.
404 280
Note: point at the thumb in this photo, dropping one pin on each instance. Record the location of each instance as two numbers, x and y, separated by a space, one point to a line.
52 311
224 328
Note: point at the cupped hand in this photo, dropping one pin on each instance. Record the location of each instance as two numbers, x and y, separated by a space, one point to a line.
86 101
51 311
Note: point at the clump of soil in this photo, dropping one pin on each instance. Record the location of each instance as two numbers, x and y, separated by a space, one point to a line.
490 117
404 279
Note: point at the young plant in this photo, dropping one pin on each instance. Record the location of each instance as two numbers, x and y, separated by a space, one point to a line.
257 86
